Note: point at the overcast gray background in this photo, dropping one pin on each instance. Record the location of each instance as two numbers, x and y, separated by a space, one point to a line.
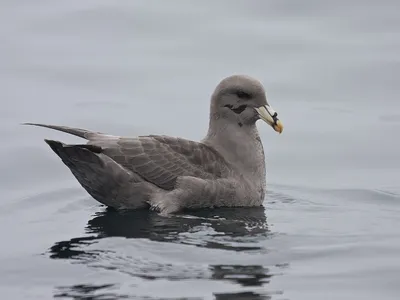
331 70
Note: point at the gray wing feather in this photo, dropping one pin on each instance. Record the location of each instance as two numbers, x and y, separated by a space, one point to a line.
82 133
157 159
161 159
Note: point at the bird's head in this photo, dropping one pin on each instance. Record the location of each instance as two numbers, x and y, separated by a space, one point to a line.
242 100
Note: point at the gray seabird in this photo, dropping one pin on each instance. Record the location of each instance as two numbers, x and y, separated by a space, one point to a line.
225 169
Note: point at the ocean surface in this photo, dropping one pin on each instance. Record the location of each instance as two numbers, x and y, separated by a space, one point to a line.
330 225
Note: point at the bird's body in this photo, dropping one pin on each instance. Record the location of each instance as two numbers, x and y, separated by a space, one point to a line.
226 168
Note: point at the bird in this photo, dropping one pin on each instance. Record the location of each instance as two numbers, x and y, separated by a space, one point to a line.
226 168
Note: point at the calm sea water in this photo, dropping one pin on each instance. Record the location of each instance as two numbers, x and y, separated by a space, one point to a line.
330 225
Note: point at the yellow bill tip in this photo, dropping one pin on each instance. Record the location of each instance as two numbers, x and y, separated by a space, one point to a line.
278 126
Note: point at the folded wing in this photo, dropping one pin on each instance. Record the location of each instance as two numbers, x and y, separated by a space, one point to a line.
161 159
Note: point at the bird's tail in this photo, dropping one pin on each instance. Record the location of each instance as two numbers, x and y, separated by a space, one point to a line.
82 133
103 178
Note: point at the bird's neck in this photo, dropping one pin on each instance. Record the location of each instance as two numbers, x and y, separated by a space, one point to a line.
240 145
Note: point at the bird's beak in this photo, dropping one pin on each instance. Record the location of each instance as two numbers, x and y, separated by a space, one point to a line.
268 115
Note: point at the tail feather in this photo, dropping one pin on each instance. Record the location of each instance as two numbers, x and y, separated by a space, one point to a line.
103 178
71 154
82 133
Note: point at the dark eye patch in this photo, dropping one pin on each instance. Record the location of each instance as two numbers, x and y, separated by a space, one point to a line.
243 95
237 110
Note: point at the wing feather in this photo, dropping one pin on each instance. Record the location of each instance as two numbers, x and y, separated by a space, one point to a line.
161 159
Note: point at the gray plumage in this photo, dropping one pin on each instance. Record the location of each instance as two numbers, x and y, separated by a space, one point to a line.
226 168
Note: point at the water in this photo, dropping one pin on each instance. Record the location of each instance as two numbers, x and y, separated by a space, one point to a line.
330 225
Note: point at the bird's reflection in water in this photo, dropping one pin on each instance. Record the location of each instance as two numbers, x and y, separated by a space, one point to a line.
227 229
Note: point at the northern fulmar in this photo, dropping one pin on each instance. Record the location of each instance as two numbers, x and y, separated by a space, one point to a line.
169 174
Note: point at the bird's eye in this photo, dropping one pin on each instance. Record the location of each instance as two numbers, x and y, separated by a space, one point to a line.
236 110
243 95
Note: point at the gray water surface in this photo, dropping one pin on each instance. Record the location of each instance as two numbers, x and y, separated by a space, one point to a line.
329 228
